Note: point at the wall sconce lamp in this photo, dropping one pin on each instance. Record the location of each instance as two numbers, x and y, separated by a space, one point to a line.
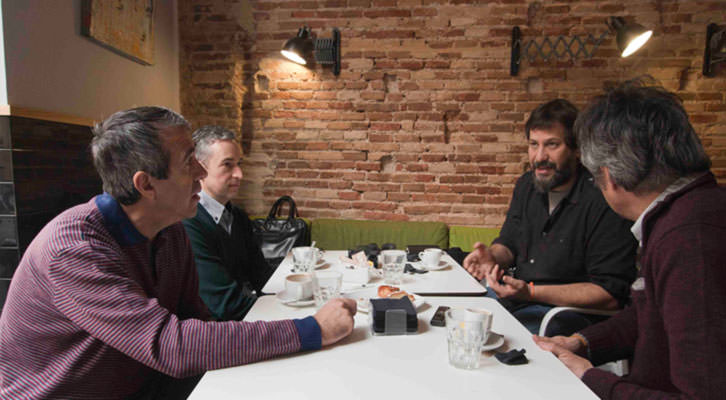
715 52
303 48
629 37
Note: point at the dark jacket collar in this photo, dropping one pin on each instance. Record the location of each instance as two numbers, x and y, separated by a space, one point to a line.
117 222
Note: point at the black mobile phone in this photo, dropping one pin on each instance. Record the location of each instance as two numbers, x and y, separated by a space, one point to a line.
438 319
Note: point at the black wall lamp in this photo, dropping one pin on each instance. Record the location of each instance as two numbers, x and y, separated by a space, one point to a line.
303 48
715 52
629 37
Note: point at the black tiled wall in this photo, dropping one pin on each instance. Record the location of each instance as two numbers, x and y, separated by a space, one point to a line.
45 168
8 230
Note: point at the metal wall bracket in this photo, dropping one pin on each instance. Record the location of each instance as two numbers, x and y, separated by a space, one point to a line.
327 51
559 47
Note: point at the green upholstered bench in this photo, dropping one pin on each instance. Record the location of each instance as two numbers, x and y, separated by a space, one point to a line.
343 234
465 236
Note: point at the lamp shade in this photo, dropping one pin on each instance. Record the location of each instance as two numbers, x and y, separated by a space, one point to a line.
629 37
299 48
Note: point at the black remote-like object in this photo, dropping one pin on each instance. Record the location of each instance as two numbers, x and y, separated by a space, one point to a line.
439 319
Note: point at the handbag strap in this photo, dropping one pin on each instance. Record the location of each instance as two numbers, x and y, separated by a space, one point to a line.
278 204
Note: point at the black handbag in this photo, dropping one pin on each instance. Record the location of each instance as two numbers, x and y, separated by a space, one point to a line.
277 237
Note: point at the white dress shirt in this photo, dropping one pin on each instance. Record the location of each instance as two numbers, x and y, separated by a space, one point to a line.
219 213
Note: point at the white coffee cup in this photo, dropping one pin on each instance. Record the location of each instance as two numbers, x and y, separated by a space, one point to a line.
357 275
299 286
477 319
431 257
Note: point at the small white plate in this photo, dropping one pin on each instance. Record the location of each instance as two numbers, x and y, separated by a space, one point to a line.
283 298
442 264
494 341
319 264
363 303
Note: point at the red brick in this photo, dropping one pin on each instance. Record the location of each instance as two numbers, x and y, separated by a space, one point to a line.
368 166
390 34
411 65
703 118
372 95
391 12
467 96
425 12
374 205
377 126
349 195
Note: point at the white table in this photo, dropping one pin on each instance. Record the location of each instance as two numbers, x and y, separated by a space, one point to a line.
364 366
453 280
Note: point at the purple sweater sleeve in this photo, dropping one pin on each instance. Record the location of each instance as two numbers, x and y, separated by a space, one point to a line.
680 319
613 339
91 288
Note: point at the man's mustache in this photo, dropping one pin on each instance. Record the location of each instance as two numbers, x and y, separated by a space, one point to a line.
544 164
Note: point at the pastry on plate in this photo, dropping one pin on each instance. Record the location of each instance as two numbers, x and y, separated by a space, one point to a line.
385 290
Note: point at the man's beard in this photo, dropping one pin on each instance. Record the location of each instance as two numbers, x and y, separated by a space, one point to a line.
561 176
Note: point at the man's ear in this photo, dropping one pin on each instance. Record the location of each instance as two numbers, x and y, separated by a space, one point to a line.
607 179
144 184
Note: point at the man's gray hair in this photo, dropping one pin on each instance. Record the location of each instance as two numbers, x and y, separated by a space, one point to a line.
206 136
641 133
129 141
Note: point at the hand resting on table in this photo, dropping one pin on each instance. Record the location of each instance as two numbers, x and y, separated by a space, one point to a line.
336 319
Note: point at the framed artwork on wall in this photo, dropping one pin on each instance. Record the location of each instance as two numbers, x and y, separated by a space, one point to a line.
123 26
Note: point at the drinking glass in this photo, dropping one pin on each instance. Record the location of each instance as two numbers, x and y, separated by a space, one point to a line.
394 262
464 348
326 285
467 331
304 258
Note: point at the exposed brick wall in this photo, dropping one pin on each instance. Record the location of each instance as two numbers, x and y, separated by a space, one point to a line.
424 121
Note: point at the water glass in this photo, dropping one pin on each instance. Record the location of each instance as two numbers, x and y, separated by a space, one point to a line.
326 285
304 258
393 262
465 347
467 331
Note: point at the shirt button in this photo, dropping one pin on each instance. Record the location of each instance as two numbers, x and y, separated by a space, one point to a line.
531 261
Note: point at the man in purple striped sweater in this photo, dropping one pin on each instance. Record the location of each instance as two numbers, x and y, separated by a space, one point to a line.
105 304
651 168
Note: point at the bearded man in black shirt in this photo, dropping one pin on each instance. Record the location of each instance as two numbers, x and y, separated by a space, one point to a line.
561 244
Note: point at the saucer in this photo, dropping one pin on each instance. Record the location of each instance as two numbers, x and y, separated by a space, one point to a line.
363 302
318 265
494 341
442 264
284 299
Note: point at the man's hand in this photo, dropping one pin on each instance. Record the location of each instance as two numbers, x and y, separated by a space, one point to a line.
480 261
335 319
570 343
556 345
507 287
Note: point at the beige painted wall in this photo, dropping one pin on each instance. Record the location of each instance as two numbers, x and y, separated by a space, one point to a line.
51 67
